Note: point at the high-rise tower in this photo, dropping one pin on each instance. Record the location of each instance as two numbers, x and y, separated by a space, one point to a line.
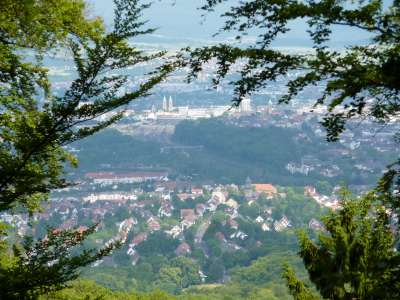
245 105
164 104
170 104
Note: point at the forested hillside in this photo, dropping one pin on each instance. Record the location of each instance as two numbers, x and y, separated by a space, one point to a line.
221 152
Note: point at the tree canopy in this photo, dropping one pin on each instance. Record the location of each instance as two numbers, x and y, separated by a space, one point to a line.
36 124
34 131
356 258
360 80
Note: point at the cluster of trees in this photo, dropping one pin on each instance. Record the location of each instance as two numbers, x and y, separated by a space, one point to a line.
89 290
356 259
259 280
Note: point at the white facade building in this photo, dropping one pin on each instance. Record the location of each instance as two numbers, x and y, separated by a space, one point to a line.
245 105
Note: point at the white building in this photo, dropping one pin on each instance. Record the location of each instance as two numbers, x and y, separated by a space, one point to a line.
109 197
282 224
245 105
109 178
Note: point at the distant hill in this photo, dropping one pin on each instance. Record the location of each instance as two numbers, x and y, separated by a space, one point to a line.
224 153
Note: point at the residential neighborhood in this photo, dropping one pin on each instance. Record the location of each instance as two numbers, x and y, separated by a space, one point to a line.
192 218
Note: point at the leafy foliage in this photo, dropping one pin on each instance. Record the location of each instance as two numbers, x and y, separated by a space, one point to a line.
88 290
48 264
297 288
36 125
355 260
33 132
359 81
356 257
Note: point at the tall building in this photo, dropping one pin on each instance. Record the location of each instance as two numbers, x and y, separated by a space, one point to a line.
164 104
270 107
245 105
167 105
170 104
248 183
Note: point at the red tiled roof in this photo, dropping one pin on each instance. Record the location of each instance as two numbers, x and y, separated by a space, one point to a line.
265 187
141 237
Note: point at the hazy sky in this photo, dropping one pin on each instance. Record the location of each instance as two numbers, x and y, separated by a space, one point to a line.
180 20
183 20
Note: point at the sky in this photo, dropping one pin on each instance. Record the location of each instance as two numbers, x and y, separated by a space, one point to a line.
181 20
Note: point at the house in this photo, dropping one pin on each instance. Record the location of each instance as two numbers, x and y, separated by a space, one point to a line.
239 234
127 224
233 187
165 210
183 249
212 204
310 191
140 238
187 213
188 217
197 192
130 251
153 224
200 209
326 201
232 204
265 227
231 211
174 231
268 211
265 188
165 196
168 186
218 196
259 219
282 224
233 224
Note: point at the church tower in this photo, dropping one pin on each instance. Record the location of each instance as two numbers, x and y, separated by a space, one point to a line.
164 104
170 104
